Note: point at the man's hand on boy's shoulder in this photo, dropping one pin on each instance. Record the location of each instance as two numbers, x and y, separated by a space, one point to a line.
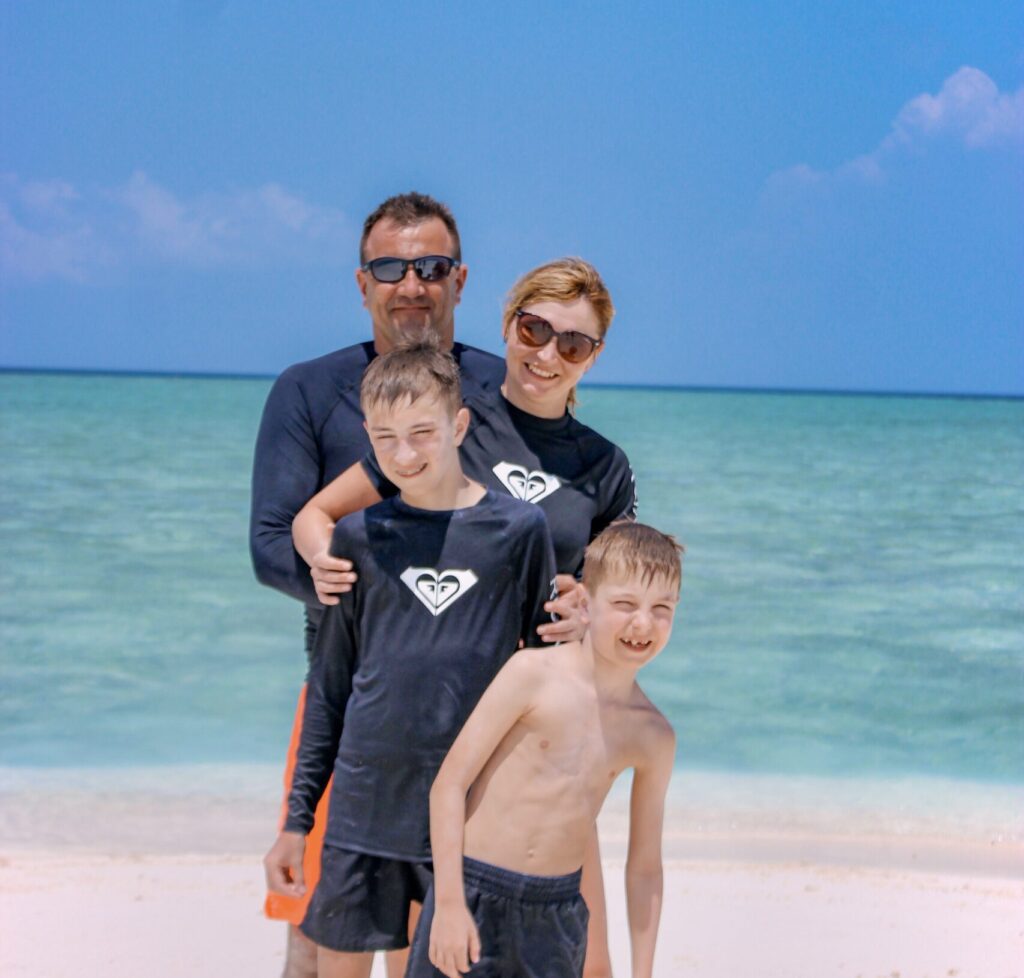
283 864
454 941
571 623
331 576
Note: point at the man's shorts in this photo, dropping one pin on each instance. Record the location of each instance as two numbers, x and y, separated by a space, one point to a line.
280 906
362 902
529 926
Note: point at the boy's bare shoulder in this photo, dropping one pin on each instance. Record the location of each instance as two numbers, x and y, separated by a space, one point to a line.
651 733
540 666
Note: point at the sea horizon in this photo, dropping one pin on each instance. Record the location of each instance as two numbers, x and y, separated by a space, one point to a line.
586 385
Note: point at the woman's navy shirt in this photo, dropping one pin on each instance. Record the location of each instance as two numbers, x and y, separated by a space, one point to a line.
581 480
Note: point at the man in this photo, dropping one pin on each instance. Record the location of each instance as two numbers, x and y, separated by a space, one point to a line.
411 279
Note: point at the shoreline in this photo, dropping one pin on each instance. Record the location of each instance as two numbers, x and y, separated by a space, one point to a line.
227 810
157 871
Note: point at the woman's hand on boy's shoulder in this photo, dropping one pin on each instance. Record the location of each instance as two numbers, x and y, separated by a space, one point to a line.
571 622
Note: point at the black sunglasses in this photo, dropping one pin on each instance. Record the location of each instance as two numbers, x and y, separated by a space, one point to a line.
429 268
572 346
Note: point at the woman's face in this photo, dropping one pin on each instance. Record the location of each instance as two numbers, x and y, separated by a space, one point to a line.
537 379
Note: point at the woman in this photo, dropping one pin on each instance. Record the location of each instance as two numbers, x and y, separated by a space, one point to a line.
526 442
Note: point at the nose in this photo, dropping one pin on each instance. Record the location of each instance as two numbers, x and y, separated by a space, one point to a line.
404 452
641 620
549 351
410 283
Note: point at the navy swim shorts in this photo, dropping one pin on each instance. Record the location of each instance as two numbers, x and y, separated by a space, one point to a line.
362 902
529 926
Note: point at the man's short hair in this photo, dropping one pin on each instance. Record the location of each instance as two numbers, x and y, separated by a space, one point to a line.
408 209
409 372
627 549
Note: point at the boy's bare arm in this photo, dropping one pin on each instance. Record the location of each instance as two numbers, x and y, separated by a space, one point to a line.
314 523
644 877
454 942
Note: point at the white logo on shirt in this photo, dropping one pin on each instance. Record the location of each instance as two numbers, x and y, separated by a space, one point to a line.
437 589
529 485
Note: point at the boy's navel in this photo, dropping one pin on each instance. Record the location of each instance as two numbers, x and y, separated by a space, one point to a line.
545 744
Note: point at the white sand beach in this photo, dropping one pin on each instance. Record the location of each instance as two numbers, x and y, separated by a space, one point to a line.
143 879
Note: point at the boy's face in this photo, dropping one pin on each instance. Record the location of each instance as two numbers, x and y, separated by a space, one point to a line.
630 619
416 443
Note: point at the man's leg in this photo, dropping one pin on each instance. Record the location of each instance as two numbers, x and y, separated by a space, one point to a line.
300 951
343 964
300 955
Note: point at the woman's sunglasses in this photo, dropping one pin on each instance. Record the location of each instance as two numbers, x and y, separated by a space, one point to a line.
429 268
572 346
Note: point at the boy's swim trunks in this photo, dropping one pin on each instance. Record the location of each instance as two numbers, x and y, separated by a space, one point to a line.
362 902
529 926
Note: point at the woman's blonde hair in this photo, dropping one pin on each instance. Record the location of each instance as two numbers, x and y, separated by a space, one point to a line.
562 280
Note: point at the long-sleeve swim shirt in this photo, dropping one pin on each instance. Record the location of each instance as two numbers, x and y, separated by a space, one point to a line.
311 431
581 480
443 600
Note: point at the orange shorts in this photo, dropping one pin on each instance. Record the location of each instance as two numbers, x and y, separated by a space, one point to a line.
279 906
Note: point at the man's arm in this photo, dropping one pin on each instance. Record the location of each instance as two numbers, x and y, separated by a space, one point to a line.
285 473
454 942
314 524
644 875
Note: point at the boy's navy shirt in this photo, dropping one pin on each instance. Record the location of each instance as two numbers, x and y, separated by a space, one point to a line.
443 600
581 480
311 431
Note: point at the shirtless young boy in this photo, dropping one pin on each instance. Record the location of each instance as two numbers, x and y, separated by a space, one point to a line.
537 757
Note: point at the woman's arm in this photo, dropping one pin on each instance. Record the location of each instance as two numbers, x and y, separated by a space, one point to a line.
314 524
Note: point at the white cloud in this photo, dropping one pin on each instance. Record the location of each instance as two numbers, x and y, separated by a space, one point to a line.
51 229
968 110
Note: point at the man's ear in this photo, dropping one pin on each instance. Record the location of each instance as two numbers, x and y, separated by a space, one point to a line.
460 282
361 283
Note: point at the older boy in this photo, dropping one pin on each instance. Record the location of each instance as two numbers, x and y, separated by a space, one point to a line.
537 758
452 577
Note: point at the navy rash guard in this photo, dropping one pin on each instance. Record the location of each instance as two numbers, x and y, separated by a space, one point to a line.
311 431
581 481
399 663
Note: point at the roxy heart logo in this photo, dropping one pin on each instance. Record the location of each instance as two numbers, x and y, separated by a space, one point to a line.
530 485
437 589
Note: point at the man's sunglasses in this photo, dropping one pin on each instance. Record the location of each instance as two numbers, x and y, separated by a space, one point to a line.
429 268
572 346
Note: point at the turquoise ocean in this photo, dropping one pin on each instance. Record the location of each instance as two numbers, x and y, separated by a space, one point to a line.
853 598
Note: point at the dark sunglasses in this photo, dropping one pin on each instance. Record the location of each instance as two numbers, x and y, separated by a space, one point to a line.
572 346
429 268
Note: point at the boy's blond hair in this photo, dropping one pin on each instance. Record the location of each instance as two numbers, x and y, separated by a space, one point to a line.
409 372
627 549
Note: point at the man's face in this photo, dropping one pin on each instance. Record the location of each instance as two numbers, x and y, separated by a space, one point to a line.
403 311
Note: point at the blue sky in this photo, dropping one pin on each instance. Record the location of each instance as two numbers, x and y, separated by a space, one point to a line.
789 195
